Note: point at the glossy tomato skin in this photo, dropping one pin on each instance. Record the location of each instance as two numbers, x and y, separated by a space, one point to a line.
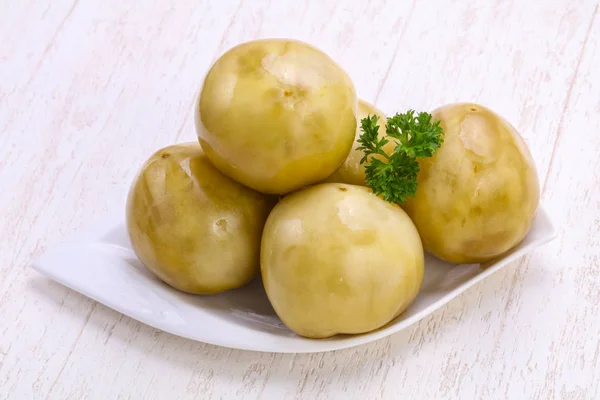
477 196
191 226
276 115
337 259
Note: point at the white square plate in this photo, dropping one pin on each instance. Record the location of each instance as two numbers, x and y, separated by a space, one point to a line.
100 264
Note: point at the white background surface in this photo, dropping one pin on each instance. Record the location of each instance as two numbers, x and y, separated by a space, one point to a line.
88 89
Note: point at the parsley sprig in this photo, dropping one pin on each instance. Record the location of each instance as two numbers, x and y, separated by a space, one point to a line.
394 176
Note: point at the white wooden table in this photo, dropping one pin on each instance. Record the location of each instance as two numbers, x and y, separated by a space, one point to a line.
89 88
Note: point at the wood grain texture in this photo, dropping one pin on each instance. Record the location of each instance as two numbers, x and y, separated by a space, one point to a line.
89 89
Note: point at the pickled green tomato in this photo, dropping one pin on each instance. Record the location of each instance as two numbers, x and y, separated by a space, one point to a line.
276 115
351 171
194 228
477 196
337 259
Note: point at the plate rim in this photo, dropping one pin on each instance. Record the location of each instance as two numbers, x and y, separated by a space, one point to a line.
108 221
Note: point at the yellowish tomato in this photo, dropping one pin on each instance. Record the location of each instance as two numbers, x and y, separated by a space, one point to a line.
336 259
276 115
194 228
477 196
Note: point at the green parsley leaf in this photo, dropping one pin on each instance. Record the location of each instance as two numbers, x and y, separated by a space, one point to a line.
394 176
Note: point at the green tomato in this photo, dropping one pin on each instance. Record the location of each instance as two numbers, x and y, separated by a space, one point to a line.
191 226
351 170
276 115
336 259
477 196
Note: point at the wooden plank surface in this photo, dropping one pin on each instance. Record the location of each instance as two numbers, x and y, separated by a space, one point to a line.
88 89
